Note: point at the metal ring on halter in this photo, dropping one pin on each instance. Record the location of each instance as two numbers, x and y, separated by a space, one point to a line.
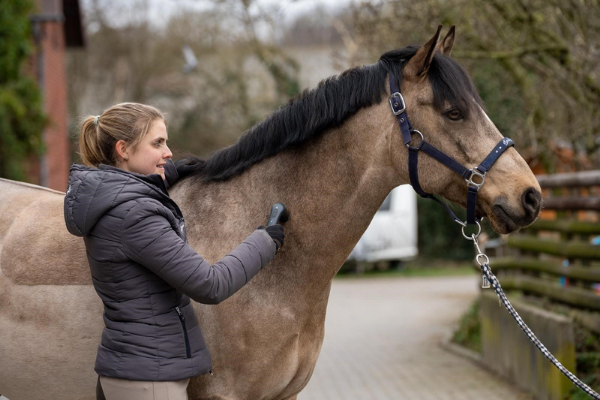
487 260
475 172
415 131
471 237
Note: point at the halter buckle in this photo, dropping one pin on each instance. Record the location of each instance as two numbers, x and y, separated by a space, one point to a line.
396 100
475 172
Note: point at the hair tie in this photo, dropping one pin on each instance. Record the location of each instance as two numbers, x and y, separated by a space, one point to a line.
96 120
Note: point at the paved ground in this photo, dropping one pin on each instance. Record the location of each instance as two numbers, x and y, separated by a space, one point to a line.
382 342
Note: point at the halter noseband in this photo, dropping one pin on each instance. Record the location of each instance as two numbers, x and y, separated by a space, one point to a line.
475 177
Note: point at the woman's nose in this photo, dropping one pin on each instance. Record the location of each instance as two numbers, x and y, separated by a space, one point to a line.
168 154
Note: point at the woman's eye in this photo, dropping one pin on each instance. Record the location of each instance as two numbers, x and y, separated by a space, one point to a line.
454 114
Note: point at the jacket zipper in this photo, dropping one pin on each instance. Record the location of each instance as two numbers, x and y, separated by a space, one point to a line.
188 353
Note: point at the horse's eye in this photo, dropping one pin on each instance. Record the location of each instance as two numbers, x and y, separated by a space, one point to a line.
453 114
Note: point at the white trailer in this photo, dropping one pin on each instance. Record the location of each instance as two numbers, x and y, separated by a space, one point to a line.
392 234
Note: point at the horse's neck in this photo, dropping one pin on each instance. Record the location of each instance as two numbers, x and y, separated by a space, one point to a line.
332 187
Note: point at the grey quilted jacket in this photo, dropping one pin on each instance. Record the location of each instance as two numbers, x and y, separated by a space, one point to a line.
145 272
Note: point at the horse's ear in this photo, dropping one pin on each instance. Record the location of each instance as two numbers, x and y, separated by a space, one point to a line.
445 46
420 62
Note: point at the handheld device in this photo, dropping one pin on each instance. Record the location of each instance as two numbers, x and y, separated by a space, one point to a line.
279 214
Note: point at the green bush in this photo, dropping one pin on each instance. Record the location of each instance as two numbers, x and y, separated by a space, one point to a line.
468 333
439 236
21 117
587 348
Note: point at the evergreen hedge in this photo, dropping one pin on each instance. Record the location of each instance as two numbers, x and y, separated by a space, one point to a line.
22 119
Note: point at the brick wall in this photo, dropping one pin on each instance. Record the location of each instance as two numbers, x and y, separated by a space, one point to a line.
56 161
48 62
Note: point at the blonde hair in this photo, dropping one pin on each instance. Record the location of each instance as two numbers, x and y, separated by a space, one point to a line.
99 134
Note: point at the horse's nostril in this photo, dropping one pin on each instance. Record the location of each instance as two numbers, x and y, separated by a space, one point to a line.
532 200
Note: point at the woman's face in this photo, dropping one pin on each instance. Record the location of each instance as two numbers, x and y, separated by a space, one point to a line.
151 153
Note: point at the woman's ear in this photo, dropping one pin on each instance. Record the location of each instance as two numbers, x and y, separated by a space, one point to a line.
122 150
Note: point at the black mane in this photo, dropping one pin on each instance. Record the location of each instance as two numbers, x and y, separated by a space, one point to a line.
334 100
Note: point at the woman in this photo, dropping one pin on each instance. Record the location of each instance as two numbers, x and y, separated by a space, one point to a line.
142 267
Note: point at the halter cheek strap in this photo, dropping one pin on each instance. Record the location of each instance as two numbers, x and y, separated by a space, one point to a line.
474 177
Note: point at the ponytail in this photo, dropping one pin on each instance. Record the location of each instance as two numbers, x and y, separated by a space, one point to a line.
95 148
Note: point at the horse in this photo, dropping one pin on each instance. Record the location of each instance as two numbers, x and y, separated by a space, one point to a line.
331 155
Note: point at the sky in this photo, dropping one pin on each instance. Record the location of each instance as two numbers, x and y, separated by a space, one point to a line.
160 10
291 9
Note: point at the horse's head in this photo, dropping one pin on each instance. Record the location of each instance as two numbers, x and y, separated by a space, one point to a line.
444 105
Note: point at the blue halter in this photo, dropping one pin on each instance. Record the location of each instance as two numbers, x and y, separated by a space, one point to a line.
474 177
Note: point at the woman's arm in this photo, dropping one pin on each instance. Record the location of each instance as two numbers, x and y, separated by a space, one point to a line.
149 239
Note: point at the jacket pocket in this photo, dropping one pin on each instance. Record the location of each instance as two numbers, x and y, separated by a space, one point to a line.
188 353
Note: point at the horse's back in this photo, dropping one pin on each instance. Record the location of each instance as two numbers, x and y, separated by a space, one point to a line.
15 196
50 317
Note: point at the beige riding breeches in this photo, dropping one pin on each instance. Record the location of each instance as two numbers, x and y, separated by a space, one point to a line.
123 389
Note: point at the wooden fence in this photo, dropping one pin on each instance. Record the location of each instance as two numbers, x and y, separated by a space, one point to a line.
557 258
554 263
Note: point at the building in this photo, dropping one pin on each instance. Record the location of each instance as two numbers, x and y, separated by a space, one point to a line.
56 26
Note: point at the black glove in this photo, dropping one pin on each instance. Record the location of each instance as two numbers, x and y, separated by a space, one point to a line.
276 233
187 166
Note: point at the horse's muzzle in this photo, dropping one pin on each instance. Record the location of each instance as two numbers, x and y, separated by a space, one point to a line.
509 219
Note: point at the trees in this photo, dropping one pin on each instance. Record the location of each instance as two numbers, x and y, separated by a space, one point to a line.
535 62
134 56
21 116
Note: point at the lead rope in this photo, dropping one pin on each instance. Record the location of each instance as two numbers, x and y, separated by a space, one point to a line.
487 278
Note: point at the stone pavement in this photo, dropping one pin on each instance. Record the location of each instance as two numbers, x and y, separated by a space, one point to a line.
382 342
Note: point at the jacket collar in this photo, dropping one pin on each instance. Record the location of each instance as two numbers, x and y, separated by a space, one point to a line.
153 179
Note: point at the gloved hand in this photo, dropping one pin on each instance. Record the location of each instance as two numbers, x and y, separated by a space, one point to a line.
276 233
187 165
